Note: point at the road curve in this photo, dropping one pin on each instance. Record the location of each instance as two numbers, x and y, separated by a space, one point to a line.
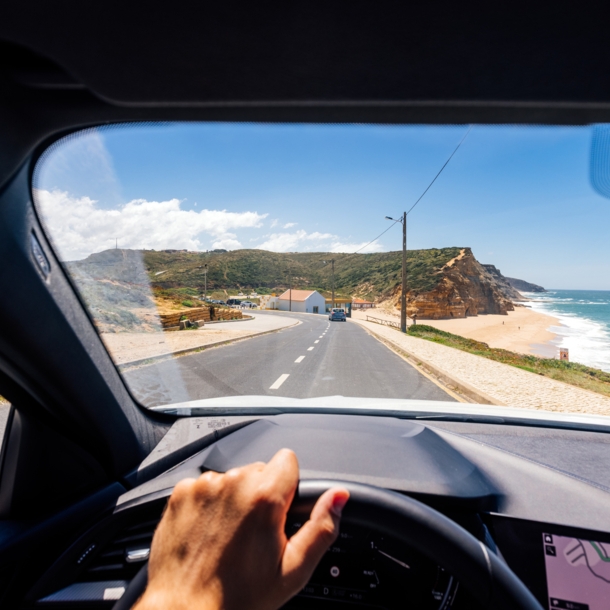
315 358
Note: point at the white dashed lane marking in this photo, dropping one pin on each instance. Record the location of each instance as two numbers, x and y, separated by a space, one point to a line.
309 349
317 341
279 381
300 359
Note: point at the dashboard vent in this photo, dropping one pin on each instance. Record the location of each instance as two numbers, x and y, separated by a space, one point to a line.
106 570
122 557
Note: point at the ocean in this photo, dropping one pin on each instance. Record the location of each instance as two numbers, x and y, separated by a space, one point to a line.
585 322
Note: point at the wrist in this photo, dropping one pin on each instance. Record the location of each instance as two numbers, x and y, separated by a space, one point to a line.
163 600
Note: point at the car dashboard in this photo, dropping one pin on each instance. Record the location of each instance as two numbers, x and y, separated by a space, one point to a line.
536 496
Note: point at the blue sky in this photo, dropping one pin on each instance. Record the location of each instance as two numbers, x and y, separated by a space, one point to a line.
520 197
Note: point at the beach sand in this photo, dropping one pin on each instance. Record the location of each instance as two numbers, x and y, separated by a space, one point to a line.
523 330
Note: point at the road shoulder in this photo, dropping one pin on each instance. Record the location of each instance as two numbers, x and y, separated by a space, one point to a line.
496 383
131 349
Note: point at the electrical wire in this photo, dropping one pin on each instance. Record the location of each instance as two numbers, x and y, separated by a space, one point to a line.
441 170
374 240
421 196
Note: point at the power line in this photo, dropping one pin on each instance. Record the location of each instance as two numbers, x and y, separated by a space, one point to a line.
441 170
422 195
374 240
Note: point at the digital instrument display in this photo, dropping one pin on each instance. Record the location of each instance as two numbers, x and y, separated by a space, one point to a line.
369 570
577 573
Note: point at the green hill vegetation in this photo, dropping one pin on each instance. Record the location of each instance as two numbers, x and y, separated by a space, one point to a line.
369 276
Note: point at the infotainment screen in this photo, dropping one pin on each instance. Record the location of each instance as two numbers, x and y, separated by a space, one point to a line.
577 572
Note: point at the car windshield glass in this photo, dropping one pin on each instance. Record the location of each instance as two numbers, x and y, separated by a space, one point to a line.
224 262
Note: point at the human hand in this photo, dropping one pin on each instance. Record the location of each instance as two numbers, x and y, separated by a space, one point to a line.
221 541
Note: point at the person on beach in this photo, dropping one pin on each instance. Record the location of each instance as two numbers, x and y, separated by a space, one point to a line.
221 541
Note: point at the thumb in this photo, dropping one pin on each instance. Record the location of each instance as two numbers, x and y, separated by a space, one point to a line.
305 549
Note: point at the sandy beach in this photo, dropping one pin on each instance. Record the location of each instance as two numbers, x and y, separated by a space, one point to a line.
523 330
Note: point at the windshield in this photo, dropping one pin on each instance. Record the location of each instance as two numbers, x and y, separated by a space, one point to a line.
221 262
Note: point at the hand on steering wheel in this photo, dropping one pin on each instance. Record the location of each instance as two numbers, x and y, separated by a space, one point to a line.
222 540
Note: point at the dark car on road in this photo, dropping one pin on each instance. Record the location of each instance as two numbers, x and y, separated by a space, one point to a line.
337 314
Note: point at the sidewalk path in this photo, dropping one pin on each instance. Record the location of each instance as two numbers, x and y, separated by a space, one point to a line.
502 384
129 347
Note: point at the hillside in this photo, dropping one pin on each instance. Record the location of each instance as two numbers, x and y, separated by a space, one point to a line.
441 283
127 289
115 286
370 276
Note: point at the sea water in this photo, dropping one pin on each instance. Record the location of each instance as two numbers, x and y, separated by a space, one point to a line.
584 317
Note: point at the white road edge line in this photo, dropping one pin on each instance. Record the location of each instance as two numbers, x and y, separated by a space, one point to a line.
309 349
300 359
279 381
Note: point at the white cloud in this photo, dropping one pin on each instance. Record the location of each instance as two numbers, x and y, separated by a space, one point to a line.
317 235
228 242
288 225
347 247
79 226
299 240
274 223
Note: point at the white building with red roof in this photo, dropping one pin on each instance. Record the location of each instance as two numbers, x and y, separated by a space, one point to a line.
303 301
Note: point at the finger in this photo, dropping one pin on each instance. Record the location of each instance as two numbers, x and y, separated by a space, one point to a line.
305 549
281 474
248 469
182 490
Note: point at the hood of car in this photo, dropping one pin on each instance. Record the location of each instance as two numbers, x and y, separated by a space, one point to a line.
416 409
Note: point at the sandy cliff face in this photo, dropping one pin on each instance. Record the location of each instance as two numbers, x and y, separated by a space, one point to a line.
467 288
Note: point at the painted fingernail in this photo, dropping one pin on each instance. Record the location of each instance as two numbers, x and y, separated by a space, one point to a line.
338 503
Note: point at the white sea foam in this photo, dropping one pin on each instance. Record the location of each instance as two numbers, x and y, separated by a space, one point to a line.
587 339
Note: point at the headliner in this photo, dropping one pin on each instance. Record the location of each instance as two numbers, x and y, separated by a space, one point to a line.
66 64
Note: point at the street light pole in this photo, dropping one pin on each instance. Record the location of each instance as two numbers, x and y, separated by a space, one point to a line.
403 294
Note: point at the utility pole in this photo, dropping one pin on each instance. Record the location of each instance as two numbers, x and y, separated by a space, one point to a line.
332 263
205 285
403 294
289 292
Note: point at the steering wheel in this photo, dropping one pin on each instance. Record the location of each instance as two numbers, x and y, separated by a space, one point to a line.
480 571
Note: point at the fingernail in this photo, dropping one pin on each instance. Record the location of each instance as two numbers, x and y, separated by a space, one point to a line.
338 503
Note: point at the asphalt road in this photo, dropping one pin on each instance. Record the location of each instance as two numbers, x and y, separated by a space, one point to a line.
314 358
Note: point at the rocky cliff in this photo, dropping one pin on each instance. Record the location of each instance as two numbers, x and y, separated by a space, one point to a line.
466 288
524 286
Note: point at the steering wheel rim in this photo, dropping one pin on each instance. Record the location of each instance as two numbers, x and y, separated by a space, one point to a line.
492 583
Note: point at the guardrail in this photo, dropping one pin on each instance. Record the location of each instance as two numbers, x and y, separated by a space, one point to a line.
383 322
